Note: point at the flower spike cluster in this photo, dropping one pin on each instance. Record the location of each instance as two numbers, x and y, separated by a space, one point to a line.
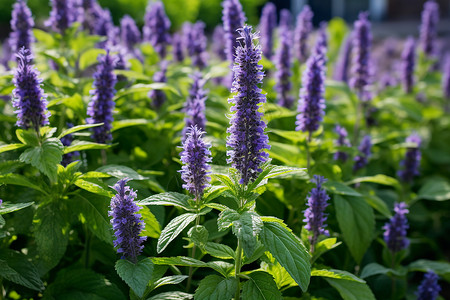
156 28
195 158
429 287
283 74
129 33
342 141
61 15
177 47
314 215
408 64
446 77
247 140
395 230
158 97
28 96
267 25
22 24
303 29
196 43
410 165
219 44
233 18
195 105
364 148
341 70
127 224
285 19
100 109
428 27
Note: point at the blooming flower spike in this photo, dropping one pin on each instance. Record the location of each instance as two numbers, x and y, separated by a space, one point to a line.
410 165
429 287
22 24
395 230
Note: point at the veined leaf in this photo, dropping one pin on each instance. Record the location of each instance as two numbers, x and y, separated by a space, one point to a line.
116 125
93 187
137 276
172 296
339 188
6 208
351 290
219 250
16 267
9 147
121 172
152 227
170 198
173 229
380 179
175 279
260 286
217 288
17 179
78 128
84 145
437 189
338 274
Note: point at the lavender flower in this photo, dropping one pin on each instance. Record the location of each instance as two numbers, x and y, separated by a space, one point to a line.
195 157
61 15
408 64
364 148
283 74
219 42
101 107
127 224
446 77
361 74
28 96
196 43
410 165
267 25
195 105
104 26
320 47
429 287
247 139
311 103
395 230
285 19
342 65
156 28
302 30
314 214
177 46
158 97
67 141
428 28
21 25
92 12
129 33
342 141
233 18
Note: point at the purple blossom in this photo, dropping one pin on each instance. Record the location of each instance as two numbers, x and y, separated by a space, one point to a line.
28 96
314 214
195 157
408 64
158 97
233 18
362 158
361 73
67 141
22 24
429 287
428 27
311 103
341 70
410 165
177 47
395 230
446 77
303 29
321 44
219 42
283 61
104 26
101 106
196 42
285 19
267 25
126 222
156 27
342 141
247 140
195 104
129 33
92 12
61 15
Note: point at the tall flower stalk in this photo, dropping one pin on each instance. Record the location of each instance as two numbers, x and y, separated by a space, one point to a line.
396 229
365 149
428 27
446 82
129 33
342 141
158 97
341 71
284 63
408 65
195 105
410 165
196 42
429 287
267 25
156 27
233 18
303 29
22 24
61 15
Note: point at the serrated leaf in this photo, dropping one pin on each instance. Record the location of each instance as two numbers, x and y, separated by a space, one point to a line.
9 147
376 269
152 228
6 208
137 275
213 192
175 279
198 235
93 187
84 145
379 178
179 261
226 219
170 198
280 275
339 188
173 229
289 252
16 179
246 229
27 137
45 157
442 268
437 189
338 274
121 172
351 290
78 128
214 287
17 268
357 222
260 286
219 250
172 296
324 246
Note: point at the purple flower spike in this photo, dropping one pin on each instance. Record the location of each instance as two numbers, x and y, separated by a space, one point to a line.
408 64
267 25
311 104
395 230
22 24
284 63
195 105
341 71
314 214
410 165
365 148
322 42
429 287
361 73
219 42
158 97
61 15
446 77
129 33
195 157
28 96
126 222
342 141
247 140
233 18
196 43
177 48
302 31
285 19
100 109
156 28
428 27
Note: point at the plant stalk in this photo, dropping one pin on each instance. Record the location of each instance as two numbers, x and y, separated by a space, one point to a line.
237 269
191 270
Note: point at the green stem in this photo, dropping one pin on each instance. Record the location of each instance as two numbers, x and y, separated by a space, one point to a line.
237 269
357 123
191 270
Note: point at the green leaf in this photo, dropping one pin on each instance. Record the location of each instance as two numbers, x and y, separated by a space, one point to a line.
260 286
442 268
351 290
172 296
380 179
152 228
45 157
175 279
338 274
121 172
173 229
179 261
145 88
16 179
217 288
376 269
93 187
289 252
137 276
357 222
280 275
437 189
339 188
246 230
198 234
170 198
116 125
84 145
43 37
6 208
78 128
324 246
226 219
378 204
219 250
9 147
17 268
89 57
133 75
27 137
213 192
